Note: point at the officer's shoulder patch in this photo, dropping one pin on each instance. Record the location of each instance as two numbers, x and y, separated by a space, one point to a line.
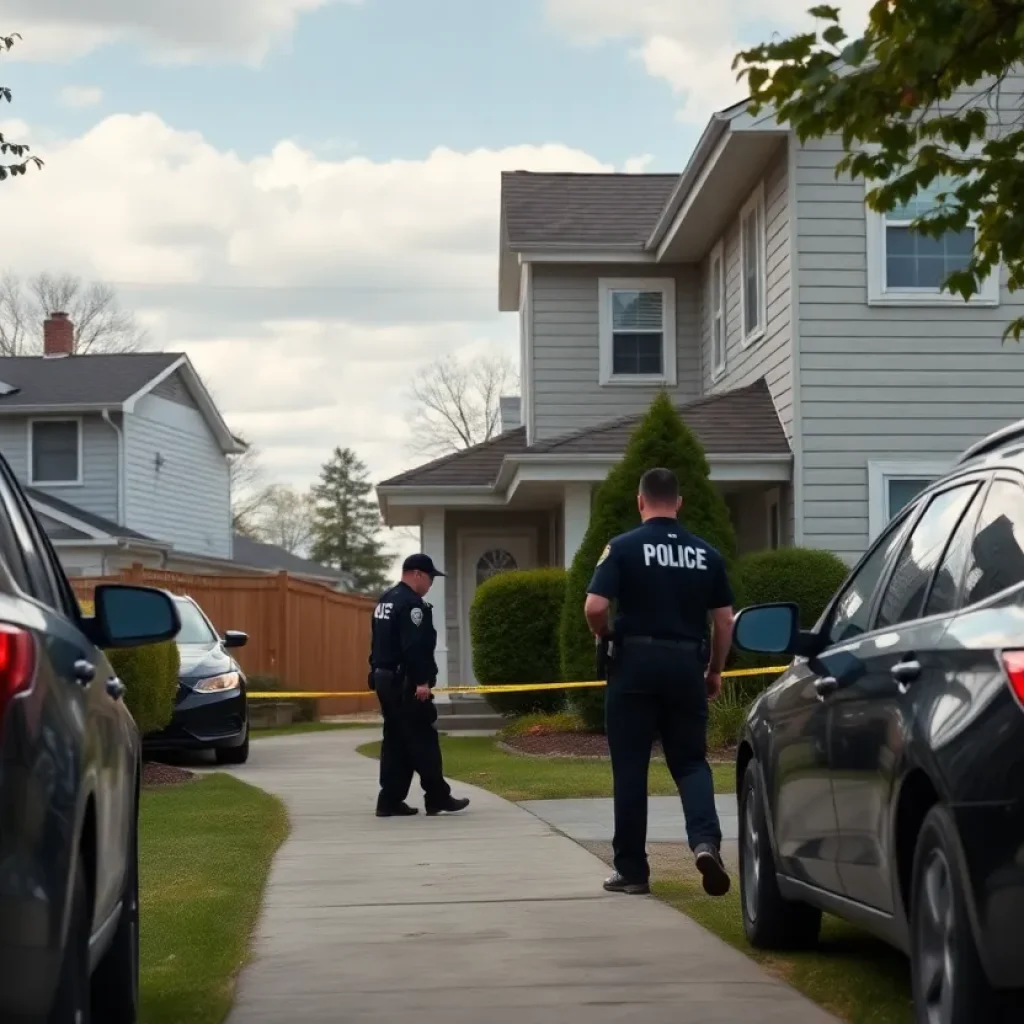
604 554
416 615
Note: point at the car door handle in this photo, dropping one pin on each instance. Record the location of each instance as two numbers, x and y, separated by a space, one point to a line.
85 671
906 671
826 685
116 688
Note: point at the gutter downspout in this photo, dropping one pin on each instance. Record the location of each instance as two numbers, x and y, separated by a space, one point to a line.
120 465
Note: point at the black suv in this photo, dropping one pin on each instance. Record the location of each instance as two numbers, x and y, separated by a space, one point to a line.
69 784
881 778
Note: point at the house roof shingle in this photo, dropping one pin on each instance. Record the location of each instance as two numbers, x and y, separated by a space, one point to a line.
740 422
606 210
96 522
107 379
257 555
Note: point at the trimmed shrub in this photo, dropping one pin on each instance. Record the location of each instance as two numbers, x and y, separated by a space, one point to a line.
807 576
513 622
660 439
150 675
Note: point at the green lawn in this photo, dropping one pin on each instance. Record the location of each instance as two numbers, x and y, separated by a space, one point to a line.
477 760
297 728
851 974
205 849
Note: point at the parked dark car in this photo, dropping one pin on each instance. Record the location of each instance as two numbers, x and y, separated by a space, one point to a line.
69 784
211 711
881 777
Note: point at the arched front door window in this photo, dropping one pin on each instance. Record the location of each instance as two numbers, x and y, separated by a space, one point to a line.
492 562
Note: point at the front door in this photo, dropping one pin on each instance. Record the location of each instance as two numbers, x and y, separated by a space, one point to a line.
481 556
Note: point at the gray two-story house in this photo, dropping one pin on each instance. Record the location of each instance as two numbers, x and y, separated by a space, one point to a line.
805 338
125 459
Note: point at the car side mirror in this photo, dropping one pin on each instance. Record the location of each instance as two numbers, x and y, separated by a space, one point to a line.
768 629
127 616
235 638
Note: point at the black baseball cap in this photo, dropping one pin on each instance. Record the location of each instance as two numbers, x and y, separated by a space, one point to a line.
421 563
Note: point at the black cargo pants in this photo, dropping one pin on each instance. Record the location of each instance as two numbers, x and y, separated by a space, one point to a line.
656 690
411 745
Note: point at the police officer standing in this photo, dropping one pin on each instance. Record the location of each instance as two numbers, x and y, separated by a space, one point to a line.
402 672
665 581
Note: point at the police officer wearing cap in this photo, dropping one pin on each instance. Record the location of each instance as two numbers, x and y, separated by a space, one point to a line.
665 582
403 672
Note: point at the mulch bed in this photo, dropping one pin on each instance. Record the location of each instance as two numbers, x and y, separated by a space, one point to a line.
154 774
577 744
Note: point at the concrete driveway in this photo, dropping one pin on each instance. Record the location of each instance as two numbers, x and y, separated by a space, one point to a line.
489 917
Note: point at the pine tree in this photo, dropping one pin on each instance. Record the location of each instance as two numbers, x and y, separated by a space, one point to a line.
346 523
660 439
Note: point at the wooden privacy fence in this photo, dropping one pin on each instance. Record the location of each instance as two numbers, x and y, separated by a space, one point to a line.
307 636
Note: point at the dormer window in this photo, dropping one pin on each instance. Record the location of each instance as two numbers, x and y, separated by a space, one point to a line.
637 331
55 452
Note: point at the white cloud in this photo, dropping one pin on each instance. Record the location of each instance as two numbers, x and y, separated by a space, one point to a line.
79 96
690 46
173 30
306 290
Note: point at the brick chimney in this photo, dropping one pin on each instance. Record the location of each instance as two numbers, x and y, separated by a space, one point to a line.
58 335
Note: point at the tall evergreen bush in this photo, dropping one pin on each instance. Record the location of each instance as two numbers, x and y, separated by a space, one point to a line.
660 439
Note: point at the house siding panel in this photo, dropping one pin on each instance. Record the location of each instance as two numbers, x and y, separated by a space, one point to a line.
164 501
771 357
564 330
891 384
98 491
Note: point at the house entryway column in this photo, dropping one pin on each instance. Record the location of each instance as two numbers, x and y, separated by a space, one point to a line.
575 519
432 543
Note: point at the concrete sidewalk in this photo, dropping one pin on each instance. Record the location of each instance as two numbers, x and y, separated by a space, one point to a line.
490 916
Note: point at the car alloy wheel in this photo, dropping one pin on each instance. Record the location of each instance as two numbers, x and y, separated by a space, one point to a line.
937 940
751 858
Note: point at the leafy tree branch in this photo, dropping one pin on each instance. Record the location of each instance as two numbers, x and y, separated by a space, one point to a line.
20 152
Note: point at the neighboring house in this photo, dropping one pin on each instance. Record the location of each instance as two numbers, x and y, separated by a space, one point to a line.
274 559
125 459
804 337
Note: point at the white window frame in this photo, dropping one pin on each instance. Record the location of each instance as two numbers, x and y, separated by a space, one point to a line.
879 294
773 500
717 259
880 473
606 286
754 206
77 420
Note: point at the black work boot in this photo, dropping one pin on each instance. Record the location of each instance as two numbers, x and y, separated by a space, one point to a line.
449 805
709 864
619 884
402 810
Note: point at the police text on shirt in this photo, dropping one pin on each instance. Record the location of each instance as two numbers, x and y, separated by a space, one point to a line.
383 611
677 556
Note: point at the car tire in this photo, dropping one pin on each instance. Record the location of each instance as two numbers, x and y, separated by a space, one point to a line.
949 982
115 982
71 1000
234 755
769 920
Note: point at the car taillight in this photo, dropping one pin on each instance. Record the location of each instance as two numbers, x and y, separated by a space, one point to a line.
17 664
1013 664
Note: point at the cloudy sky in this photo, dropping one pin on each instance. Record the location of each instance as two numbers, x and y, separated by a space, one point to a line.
303 194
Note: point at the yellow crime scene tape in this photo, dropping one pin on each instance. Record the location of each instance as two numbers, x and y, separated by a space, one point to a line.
736 673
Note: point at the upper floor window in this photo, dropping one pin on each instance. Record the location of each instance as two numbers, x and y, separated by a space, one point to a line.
753 273
907 268
637 329
716 300
55 452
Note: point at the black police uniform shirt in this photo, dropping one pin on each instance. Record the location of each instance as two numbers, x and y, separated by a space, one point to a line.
403 637
663 580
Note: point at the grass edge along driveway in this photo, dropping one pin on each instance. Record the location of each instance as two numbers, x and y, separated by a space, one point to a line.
205 849
479 761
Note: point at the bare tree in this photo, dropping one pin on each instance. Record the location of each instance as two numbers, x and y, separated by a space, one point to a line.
285 518
457 402
248 488
100 323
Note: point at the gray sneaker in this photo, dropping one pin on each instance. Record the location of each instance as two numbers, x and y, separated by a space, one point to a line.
709 864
